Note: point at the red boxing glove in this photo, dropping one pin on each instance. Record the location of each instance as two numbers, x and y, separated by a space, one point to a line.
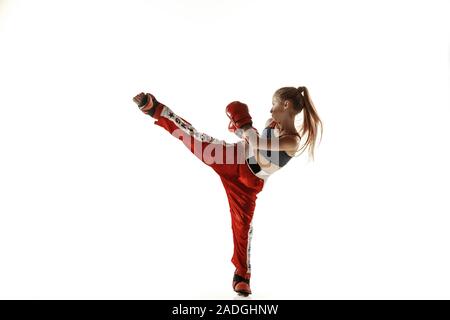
238 114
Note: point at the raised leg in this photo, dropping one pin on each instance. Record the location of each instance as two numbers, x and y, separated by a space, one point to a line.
220 155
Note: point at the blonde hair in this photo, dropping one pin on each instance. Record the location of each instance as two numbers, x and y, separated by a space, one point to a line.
301 100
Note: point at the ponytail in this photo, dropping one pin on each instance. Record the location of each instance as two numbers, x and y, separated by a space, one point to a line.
309 130
311 123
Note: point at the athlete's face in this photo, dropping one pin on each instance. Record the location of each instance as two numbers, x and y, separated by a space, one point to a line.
278 109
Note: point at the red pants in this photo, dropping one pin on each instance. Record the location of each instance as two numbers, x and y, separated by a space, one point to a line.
228 160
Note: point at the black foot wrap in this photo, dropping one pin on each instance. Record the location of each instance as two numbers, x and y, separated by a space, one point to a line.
144 101
237 278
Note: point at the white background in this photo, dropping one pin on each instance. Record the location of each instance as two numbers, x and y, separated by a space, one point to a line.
97 202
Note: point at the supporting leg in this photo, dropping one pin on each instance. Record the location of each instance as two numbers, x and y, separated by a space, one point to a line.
242 201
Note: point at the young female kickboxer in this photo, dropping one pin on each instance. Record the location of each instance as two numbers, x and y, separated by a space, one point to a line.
245 166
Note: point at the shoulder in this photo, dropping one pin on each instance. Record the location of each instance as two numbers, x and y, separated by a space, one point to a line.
290 143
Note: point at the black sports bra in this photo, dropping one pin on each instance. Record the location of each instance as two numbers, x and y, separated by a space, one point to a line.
280 158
